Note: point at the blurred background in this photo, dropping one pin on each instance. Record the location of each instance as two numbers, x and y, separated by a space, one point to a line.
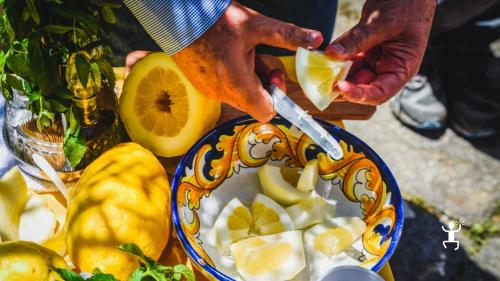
445 173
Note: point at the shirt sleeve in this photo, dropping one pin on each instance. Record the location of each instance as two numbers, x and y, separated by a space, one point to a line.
175 24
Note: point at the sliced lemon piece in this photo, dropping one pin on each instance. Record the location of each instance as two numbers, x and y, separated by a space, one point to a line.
13 196
335 235
309 177
311 211
277 188
162 110
236 222
269 217
232 225
317 74
37 223
273 257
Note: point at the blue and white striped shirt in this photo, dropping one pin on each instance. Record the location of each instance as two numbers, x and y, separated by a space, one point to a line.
174 24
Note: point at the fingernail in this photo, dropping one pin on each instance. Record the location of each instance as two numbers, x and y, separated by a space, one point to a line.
313 38
337 49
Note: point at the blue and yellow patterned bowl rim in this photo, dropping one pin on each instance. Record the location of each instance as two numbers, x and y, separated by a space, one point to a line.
212 139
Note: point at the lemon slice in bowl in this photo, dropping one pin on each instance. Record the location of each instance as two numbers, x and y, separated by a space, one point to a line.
333 236
232 225
311 211
272 257
309 177
269 217
236 222
275 186
162 110
317 74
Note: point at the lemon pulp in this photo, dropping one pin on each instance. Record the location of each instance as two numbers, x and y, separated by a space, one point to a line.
317 74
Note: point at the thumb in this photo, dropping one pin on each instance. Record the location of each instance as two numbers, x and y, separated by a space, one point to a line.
281 34
360 38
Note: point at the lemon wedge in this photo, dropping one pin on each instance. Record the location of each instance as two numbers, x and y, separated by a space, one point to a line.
335 235
237 222
14 194
278 188
311 211
233 224
273 257
317 74
309 177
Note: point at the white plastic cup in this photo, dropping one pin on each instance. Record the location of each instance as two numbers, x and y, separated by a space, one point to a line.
350 273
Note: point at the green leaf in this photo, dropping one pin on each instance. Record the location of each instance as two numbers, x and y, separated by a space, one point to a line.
107 71
75 149
58 29
19 64
68 275
133 249
63 93
38 68
108 15
15 82
136 275
33 11
35 96
185 271
57 106
44 119
102 277
82 69
96 74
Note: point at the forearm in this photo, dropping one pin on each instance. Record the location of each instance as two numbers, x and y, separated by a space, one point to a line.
175 24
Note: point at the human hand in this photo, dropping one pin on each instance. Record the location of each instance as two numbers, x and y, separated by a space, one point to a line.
387 46
221 63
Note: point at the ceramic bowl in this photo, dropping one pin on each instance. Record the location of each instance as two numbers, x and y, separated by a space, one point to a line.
224 164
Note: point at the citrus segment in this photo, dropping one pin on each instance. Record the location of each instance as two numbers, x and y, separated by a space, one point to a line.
335 235
277 188
237 222
317 75
308 177
232 225
272 257
269 217
311 211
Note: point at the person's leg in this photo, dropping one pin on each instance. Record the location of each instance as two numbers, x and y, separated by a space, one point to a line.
420 103
473 78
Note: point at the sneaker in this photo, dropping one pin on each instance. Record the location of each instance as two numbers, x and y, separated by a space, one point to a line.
416 105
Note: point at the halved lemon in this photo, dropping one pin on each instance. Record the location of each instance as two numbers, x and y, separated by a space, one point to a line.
335 235
311 211
162 110
275 186
236 222
317 74
273 257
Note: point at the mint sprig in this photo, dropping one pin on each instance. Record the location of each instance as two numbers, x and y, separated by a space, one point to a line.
148 270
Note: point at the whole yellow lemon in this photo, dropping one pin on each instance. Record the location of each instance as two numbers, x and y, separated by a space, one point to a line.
122 197
23 261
